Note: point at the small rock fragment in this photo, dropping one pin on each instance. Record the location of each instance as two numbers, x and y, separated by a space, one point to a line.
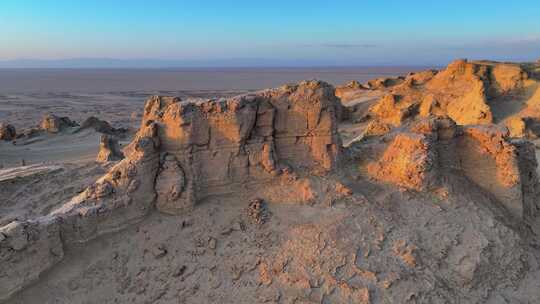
159 251
212 243
180 270
257 211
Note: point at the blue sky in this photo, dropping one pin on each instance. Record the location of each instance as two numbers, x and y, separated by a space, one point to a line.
293 32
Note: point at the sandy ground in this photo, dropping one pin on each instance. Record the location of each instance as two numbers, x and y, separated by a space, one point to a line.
51 148
35 190
216 254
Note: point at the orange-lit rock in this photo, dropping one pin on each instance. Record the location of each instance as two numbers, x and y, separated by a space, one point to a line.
429 149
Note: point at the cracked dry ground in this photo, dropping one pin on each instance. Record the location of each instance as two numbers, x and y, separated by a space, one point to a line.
388 246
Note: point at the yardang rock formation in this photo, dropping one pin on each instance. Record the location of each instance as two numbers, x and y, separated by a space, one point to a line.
258 200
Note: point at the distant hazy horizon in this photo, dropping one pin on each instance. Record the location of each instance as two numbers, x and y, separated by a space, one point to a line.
23 81
238 63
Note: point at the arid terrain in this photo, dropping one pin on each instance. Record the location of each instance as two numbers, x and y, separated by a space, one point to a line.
420 188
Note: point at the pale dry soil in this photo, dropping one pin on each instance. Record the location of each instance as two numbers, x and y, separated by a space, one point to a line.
388 245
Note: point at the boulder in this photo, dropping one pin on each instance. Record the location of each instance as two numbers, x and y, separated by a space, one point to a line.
376 128
54 124
7 132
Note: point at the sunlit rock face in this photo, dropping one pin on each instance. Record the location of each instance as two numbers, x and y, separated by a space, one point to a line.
213 147
469 92
421 155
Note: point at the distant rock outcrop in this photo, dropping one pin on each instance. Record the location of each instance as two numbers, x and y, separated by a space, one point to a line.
350 90
54 124
7 132
478 92
382 83
109 149
100 126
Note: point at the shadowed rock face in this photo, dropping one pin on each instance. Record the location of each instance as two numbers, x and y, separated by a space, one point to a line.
183 152
99 125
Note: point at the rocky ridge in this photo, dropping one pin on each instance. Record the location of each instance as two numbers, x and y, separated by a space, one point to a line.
478 92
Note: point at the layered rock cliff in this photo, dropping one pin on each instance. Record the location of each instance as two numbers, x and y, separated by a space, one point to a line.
214 147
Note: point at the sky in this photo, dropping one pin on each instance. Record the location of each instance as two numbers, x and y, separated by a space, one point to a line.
266 33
